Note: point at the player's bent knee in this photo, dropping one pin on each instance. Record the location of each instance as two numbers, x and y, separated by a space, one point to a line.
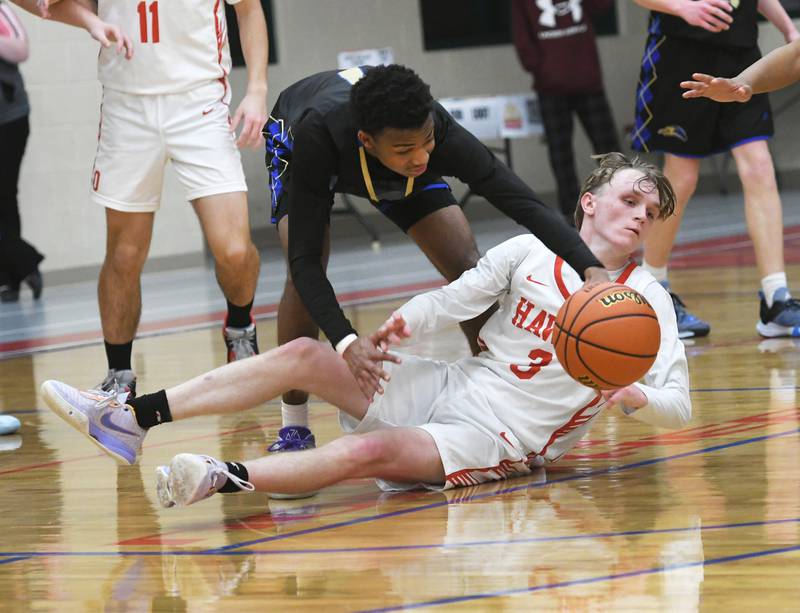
364 454
235 256
305 355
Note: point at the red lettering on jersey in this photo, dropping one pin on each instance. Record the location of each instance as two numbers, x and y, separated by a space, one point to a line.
538 322
524 309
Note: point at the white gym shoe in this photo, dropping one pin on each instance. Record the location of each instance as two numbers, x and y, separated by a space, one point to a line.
242 343
191 477
100 416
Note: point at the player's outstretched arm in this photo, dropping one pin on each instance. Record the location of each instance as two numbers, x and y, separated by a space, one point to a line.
252 111
774 71
716 88
711 15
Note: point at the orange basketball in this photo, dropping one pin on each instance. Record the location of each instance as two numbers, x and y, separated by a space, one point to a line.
606 336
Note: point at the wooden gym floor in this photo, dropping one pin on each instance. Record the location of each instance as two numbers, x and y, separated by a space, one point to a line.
705 518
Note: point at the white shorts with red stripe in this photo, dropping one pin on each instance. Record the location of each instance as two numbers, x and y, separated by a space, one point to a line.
139 134
445 400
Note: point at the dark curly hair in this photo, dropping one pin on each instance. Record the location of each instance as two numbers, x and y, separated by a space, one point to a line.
390 96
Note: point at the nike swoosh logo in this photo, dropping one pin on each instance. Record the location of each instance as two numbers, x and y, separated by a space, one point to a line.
105 419
207 111
505 438
532 280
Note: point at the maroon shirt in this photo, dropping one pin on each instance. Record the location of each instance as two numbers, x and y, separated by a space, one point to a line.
555 42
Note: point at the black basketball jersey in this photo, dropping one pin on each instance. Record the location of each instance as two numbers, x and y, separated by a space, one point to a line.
321 134
743 31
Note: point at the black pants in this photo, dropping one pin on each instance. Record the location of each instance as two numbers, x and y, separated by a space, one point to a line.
17 258
595 115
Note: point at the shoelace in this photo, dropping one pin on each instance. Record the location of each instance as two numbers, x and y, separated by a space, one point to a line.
792 304
220 469
106 398
292 442
241 347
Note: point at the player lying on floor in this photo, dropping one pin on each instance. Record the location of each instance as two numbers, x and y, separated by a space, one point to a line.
436 424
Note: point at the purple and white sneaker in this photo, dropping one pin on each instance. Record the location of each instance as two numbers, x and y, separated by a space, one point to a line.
292 438
100 416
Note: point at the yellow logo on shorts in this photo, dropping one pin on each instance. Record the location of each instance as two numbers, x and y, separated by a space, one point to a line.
675 131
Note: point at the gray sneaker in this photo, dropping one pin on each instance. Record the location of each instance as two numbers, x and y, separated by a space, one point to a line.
120 382
190 478
241 342
100 416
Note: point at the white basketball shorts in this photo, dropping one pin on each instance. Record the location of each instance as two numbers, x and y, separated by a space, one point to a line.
138 135
445 400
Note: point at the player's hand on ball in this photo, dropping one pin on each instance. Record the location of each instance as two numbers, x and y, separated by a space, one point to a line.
716 88
393 331
365 362
108 35
595 275
631 397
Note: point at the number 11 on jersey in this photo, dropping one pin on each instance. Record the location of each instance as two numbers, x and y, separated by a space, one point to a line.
142 9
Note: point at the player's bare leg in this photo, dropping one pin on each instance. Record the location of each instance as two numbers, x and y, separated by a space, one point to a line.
447 240
407 455
119 292
683 174
762 205
226 225
301 364
119 289
779 313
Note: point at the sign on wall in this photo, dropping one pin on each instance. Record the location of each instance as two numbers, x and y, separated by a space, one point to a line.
365 57
491 117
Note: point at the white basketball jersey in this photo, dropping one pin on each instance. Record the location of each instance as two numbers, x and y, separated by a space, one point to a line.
177 45
545 409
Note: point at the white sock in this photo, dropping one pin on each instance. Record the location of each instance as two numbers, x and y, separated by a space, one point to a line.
294 414
772 283
660 273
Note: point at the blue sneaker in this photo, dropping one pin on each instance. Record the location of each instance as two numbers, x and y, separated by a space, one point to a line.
292 438
689 326
100 416
782 318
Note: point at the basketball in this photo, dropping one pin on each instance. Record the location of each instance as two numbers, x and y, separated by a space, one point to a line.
606 336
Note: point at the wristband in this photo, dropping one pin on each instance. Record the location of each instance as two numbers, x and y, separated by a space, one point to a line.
343 344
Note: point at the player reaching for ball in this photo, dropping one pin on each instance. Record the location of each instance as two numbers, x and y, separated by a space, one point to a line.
436 424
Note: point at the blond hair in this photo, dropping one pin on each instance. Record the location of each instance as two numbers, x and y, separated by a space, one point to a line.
652 178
